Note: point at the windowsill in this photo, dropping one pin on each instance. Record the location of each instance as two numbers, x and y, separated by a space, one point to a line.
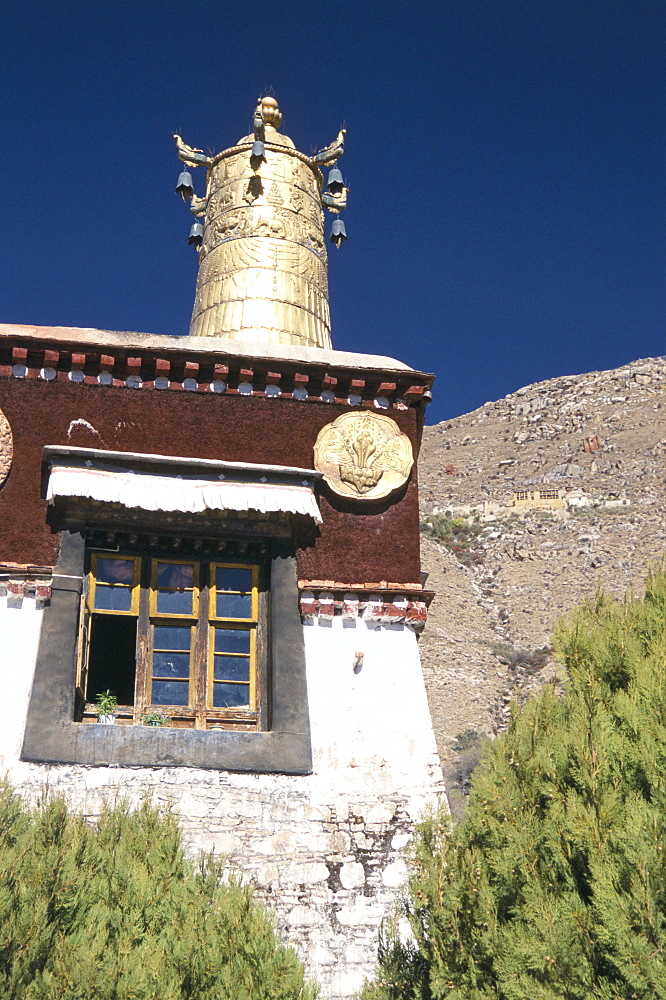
151 746
243 722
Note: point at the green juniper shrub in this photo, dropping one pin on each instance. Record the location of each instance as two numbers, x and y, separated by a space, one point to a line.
116 911
553 887
403 971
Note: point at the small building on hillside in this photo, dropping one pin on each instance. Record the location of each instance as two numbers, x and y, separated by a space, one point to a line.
221 530
539 499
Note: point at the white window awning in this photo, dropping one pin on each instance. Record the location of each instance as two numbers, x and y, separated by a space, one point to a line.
165 483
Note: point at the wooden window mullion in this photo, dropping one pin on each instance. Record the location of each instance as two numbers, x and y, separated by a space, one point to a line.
143 644
200 653
262 687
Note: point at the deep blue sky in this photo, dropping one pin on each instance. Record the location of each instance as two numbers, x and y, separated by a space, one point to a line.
507 213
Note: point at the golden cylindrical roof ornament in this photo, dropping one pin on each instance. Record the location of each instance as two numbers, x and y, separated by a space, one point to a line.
262 258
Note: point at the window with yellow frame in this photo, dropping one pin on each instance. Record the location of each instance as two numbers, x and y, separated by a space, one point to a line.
232 646
179 636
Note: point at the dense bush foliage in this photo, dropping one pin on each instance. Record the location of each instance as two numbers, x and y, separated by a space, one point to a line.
554 885
458 536
115 911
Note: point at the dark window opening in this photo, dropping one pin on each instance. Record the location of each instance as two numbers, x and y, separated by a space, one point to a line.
112 657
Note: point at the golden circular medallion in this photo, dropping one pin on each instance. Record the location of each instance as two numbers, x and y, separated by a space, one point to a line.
6 447
363 456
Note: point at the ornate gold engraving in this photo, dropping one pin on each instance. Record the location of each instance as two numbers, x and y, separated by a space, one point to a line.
263 263
6 447
274 197
363 455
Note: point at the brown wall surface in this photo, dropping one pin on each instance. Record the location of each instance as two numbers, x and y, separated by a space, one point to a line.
358 542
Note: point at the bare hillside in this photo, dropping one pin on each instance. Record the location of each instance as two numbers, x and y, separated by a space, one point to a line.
504 572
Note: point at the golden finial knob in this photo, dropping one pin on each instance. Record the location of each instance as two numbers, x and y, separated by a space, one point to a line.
269 111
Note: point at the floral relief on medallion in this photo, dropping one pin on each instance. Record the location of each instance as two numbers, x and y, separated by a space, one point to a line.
363 456
6 447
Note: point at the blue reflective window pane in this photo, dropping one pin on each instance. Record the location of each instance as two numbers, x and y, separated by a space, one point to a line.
231 696
176 576
174 602
232 640
170 693
233 578
233 605
114 571
112 598
172 637
171 664
232 668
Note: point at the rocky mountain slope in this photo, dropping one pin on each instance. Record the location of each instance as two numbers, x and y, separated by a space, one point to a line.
505 572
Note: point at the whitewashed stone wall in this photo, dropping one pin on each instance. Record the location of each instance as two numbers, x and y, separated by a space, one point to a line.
323 850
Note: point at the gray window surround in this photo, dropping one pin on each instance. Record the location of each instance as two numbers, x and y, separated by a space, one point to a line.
51 735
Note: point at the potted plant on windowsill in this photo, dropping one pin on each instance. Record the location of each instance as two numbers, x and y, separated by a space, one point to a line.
157 718
106 706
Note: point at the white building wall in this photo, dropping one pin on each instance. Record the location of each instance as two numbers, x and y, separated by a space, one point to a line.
324 850
20 623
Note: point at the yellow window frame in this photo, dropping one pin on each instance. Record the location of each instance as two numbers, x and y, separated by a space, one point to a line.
214 566
192 666
135 588
194 613
247 626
